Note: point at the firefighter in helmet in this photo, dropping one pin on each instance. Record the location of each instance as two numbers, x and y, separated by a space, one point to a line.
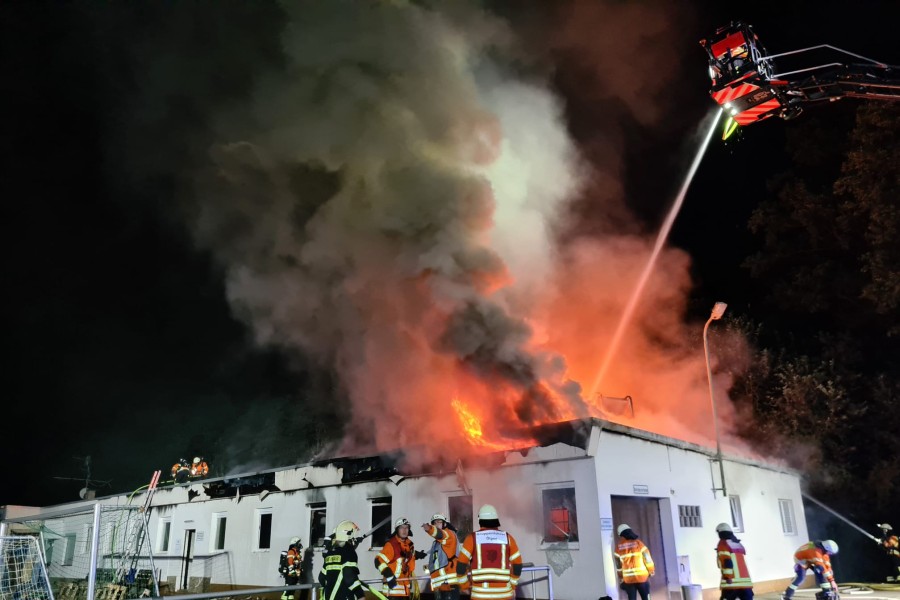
293 567
634 564
397 562
490 557
816 557
891 545
340 572
181 471
442 557
730 556
199 468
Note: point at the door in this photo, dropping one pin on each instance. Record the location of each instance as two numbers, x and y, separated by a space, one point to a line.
643 515
187 557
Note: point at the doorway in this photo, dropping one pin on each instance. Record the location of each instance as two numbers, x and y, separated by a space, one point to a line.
643 515
187 558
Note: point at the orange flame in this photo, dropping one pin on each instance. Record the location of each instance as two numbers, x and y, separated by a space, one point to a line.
470 423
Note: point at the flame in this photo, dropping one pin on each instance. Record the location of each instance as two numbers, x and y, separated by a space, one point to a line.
470 423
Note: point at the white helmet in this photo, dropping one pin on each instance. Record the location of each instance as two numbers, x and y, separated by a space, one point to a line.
295 541
345 530
196 460
437 516
830 546
401 522
488 513
622 528
724 527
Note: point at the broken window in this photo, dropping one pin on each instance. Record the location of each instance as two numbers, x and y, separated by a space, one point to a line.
381 510
560 515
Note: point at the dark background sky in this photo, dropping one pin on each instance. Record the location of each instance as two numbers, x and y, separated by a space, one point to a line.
117 337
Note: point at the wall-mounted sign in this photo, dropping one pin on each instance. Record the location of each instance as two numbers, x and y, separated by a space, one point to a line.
606 524
641 489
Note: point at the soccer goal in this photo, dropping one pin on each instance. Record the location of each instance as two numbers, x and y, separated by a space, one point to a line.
23 574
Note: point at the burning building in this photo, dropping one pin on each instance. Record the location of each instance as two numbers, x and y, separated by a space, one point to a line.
562 497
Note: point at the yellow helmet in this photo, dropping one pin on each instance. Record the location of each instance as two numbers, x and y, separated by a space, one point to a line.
345 531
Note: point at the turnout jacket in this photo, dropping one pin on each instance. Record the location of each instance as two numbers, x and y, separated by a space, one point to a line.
442 558
731 557
633 561
340 574
397 558
809 555
496 564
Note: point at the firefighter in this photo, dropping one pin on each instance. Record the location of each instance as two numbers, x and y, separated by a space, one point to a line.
199 468
293 567
442 557
340 572
633 563
891 545
397 561
494 558
815 556
181 471
730 556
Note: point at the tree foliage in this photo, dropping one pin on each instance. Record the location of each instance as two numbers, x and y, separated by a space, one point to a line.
823 382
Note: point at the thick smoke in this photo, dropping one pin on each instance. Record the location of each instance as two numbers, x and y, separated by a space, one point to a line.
397 202
387 210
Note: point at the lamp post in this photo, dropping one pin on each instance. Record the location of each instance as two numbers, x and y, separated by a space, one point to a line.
716 314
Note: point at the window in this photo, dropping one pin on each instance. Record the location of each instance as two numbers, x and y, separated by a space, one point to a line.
88 539
381 510
737 518
69 557
689 516
317 524
788 524
165 533
217 539
560 516
461 515
263 528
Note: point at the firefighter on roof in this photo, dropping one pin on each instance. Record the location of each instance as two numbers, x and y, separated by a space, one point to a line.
815 556
199 468
397 562
494 558
292 567
181 471
340 572
633 563
730 556
442 557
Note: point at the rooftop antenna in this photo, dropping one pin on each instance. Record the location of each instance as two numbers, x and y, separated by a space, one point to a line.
87 492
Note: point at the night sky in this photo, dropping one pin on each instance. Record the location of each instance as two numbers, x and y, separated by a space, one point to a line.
119 340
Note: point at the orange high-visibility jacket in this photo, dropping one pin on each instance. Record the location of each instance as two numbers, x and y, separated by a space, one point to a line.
496 564
892 545
809 555
445 542
397 557
633 561
730 556
294 561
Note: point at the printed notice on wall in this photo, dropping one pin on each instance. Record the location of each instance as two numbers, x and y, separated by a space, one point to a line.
641 489
605 524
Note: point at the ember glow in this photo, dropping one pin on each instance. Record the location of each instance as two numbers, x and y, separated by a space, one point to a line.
469 423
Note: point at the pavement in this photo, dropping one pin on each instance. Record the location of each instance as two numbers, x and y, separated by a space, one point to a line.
848 591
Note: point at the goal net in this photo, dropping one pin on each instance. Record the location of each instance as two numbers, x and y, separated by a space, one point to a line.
22 572
93 553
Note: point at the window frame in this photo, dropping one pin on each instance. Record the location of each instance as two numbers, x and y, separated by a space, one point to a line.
737 514
218 529
164 535
380 537
259 516
545 513
314 509
451 513
787 503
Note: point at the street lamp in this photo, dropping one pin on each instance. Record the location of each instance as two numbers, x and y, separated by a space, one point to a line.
716 314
